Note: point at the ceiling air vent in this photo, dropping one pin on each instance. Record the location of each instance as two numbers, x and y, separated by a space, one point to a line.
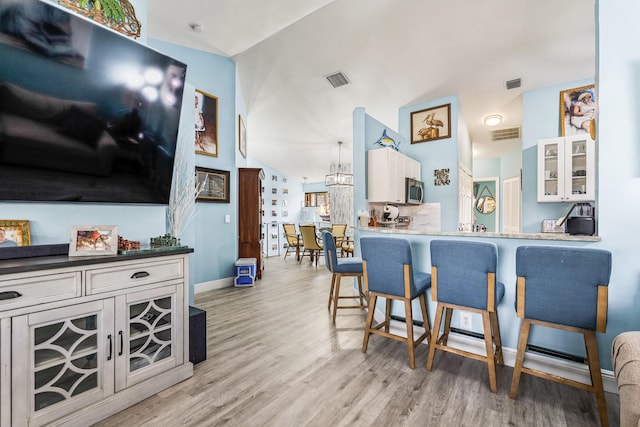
503 134
337 79
512 84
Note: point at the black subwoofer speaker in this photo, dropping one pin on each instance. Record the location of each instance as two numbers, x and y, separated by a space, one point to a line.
197 335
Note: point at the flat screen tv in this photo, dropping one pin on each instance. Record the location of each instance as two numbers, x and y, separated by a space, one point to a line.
86 114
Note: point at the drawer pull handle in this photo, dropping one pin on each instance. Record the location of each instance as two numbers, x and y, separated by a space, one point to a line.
121 343
9 295
110 347
139 275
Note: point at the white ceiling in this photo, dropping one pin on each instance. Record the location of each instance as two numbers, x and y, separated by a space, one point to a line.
395 53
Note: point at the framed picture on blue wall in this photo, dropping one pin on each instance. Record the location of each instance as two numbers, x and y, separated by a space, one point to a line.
214 185
578 111
431 124
206 124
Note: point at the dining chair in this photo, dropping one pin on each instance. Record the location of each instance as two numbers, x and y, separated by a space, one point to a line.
564 288
339 268
294 241
338 231
463 277
388 270
312 247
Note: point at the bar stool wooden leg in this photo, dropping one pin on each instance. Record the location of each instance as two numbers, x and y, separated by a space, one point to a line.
434 336
596 375
491 362
336 295
333 284
408 315
367 330
522 347
495 326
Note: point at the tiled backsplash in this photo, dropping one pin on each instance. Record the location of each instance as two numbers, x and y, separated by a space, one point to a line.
422 217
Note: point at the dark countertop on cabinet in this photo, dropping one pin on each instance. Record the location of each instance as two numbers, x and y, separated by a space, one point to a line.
39 263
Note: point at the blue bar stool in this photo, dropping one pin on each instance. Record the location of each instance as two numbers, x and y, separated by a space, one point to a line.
563 288
388 273
341 267
463 276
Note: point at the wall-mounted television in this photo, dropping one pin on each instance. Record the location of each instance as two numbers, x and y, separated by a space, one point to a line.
86 114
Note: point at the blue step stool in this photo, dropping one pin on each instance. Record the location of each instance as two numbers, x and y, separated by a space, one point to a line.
245 272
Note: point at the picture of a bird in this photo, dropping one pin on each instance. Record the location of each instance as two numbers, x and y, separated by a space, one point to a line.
431 131
432 122
386 141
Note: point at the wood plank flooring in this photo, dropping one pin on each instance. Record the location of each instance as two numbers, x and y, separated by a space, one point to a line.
274 358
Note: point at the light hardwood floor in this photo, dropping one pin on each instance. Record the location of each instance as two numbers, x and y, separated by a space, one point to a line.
274 358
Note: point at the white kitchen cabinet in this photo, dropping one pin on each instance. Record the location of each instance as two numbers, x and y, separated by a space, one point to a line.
566 169
117 334
387 170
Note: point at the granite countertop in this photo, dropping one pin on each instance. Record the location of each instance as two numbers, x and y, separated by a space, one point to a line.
530 236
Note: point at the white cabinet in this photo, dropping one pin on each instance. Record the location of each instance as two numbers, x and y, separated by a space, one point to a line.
117 334
387 170
566 169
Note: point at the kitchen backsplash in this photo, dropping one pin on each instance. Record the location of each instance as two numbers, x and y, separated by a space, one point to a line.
422 217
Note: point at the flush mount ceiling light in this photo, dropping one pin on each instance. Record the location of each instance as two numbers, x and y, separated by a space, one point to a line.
339 175
493 120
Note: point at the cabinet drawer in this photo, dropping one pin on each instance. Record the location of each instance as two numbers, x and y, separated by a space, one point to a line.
126 276
40 289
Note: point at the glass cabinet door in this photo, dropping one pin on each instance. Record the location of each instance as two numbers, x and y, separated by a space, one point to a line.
580 185
551 170
66 356
146 334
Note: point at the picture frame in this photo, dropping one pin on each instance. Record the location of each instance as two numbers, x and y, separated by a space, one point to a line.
242 137
431 124
577 111
93 240
15 232
214 185
206 124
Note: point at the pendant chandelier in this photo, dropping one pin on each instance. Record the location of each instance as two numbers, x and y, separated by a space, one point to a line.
340 175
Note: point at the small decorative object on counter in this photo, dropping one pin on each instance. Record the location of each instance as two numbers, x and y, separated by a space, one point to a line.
127 245
164 241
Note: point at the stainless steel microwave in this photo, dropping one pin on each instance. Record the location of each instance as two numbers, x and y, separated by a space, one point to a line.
414 191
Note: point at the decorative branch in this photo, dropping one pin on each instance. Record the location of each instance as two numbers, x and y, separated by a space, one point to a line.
184 190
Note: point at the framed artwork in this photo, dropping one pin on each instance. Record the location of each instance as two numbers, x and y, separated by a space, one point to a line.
431 124
441 177
14 232
578 111
214 185
93 240
242 137
206 124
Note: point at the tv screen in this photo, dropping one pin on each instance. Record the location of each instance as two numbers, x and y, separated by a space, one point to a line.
86 114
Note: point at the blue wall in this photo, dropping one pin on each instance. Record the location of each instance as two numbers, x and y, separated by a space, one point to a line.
440 154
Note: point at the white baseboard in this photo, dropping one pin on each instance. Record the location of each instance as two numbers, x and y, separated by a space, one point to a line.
225 282
563 368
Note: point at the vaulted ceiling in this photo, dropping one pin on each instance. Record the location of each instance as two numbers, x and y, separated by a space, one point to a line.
395 53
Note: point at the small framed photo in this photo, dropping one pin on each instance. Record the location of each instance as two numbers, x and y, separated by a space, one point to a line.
93 240
214 185
431 124
14 232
